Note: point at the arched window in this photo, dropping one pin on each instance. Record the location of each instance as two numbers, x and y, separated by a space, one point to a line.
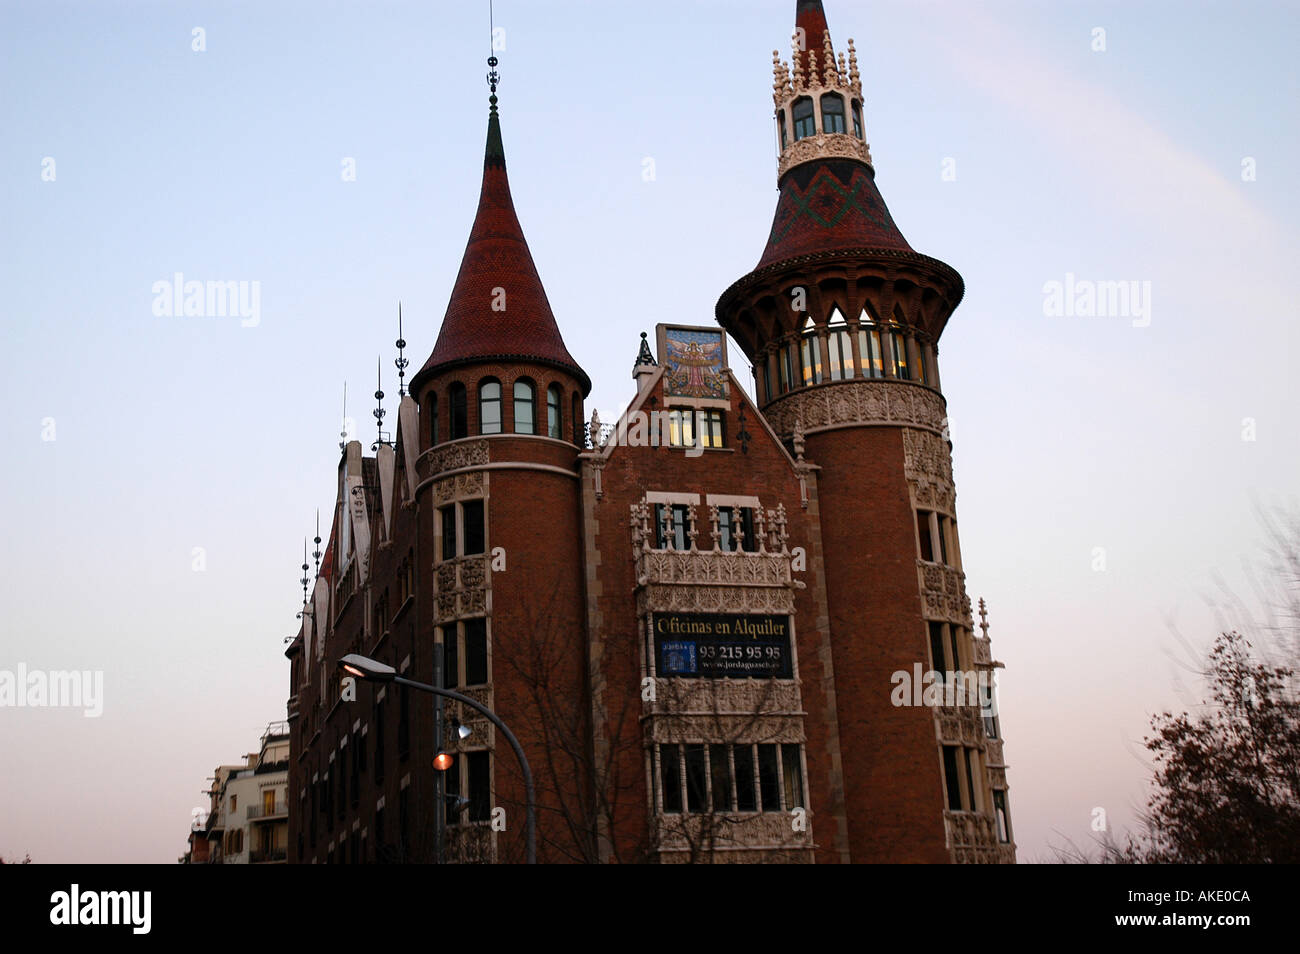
489 406
459 418
553 411
525 398
804 123
780 122
857 119
898 340
577 420
840 348
832 113
873 362
812 355
432 412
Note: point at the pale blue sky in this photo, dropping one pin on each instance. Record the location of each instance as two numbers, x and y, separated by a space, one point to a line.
176 433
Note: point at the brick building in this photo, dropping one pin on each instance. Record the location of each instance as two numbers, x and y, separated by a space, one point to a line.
710 623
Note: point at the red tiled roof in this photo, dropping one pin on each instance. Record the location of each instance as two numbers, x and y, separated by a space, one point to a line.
811 19
828 205
498 269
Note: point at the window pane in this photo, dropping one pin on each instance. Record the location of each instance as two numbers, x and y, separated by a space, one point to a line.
950 778
681 526
769 779
746 798
524 408
695 784
480 786
433 420
670 778
923 533
803 118
857 120
1003 817
937 661
450 658
726 533
553 411
943 537
968 757
489 407
459 416
476 652
900 354
792 774
720 778
748 530
832 113
471 512
448 515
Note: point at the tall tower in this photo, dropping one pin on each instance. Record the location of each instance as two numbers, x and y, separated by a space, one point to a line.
841 319
497 491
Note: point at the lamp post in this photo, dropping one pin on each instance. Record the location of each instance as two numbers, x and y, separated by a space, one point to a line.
370 670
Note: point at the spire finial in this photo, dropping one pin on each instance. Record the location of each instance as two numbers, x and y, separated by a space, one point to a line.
344 433
400 360
316 554
379 411
493 76
984 619
304 571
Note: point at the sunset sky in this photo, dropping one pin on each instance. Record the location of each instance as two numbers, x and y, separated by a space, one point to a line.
164 470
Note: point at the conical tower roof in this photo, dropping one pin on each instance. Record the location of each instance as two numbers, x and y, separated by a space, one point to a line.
498 309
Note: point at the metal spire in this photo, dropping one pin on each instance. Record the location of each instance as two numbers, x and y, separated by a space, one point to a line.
379 411
344 433
400 361
316 554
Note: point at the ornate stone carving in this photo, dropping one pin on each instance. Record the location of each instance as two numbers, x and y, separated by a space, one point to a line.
960 725
972 837
726 697
452 457
471 844
872 403
943 594
994 756
732 728
983 652
713 567
823 146
728 836
462 586
675 598
927 464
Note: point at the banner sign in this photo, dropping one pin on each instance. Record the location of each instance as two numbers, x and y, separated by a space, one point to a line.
714 646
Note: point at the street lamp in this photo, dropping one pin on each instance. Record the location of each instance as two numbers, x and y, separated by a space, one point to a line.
371 670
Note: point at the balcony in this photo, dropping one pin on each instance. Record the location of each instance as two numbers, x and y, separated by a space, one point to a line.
268 856
261 812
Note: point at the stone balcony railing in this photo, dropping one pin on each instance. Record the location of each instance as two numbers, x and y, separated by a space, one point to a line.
712 568
731 836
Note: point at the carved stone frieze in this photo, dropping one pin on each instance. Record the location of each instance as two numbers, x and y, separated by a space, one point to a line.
943 594
927 464
461 587
973 839
823 146
873 403
458 486
471 844
994 754
725 696
675 598
713 567
451 457
716 837
727 728
960 725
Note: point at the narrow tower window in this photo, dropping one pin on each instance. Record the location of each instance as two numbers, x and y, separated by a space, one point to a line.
433 419
459 419
553 411
832 113
804 123
489 407
869 346
857 119
840 347
525 398
780 122
812 355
